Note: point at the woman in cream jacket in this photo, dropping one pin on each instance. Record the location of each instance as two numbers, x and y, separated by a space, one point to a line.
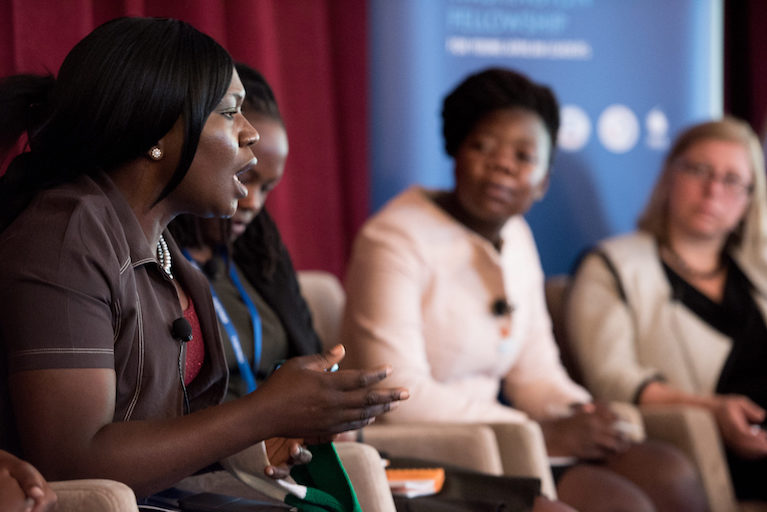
675 313
447 286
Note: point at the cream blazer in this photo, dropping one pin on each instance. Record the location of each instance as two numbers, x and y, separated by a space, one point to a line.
420 290
622 342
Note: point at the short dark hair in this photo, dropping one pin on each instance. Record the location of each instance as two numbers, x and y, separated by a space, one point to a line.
119 90
490 90
259 97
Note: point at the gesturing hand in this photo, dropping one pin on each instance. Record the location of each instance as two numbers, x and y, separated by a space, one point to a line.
589 433
307 401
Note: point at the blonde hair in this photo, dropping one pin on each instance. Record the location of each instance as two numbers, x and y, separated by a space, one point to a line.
751 229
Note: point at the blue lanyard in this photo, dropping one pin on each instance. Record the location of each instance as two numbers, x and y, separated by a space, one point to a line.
247 373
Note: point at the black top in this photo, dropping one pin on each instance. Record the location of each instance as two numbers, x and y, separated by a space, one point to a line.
739 318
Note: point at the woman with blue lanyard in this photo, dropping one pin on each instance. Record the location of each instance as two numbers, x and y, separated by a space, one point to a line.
264 316
243 257
247 313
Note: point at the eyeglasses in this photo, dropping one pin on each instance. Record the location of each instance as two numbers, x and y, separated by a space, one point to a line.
732 183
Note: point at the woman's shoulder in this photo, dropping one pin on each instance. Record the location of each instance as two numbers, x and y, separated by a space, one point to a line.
626 254
412 213
414 199
72 219
57 209
634 246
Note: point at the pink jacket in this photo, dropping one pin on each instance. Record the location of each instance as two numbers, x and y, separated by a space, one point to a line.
420 295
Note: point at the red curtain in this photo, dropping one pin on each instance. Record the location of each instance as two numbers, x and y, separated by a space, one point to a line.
313 52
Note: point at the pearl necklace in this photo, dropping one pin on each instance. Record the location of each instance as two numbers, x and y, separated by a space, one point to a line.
163 256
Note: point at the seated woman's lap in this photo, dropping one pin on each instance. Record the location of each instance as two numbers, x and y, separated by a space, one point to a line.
589 487
647 473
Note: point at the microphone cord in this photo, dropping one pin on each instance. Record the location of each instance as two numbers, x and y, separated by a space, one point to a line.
187 406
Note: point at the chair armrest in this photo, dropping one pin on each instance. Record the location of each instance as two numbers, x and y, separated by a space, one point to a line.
94 496
523 453
325 298
694 431
467 445
523 449
365 468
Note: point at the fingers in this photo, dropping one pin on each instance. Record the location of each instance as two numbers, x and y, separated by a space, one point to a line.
33 484
386 396
46 501
277 472
278 450
354 424
363 411
327 359
613 441
586 407
605 413
375 402
28 477
344 380
299 455
752 445
330 359
349 380
627 430
600 437
372 405
285 453
326 403
754 413
760 442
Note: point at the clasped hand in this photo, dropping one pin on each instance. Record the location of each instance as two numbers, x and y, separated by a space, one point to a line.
589 433
739 420
22 488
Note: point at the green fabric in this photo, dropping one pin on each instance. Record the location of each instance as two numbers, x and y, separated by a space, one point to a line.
328 486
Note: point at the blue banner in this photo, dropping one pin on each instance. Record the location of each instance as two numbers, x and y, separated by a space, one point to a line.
629 75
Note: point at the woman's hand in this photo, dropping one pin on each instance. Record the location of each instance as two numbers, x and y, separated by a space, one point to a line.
739 419
589 433
22 487
283 454
307 401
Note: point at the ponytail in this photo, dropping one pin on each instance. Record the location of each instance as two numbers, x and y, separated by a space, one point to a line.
118 91
25 104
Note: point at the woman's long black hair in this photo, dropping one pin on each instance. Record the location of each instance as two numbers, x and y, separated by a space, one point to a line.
118 92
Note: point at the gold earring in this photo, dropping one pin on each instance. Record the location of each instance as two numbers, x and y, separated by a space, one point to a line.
155 153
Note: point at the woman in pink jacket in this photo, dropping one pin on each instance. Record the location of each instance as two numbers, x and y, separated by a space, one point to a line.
447 286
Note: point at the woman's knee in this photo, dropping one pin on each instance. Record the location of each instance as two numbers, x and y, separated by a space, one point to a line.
665 473
597 489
